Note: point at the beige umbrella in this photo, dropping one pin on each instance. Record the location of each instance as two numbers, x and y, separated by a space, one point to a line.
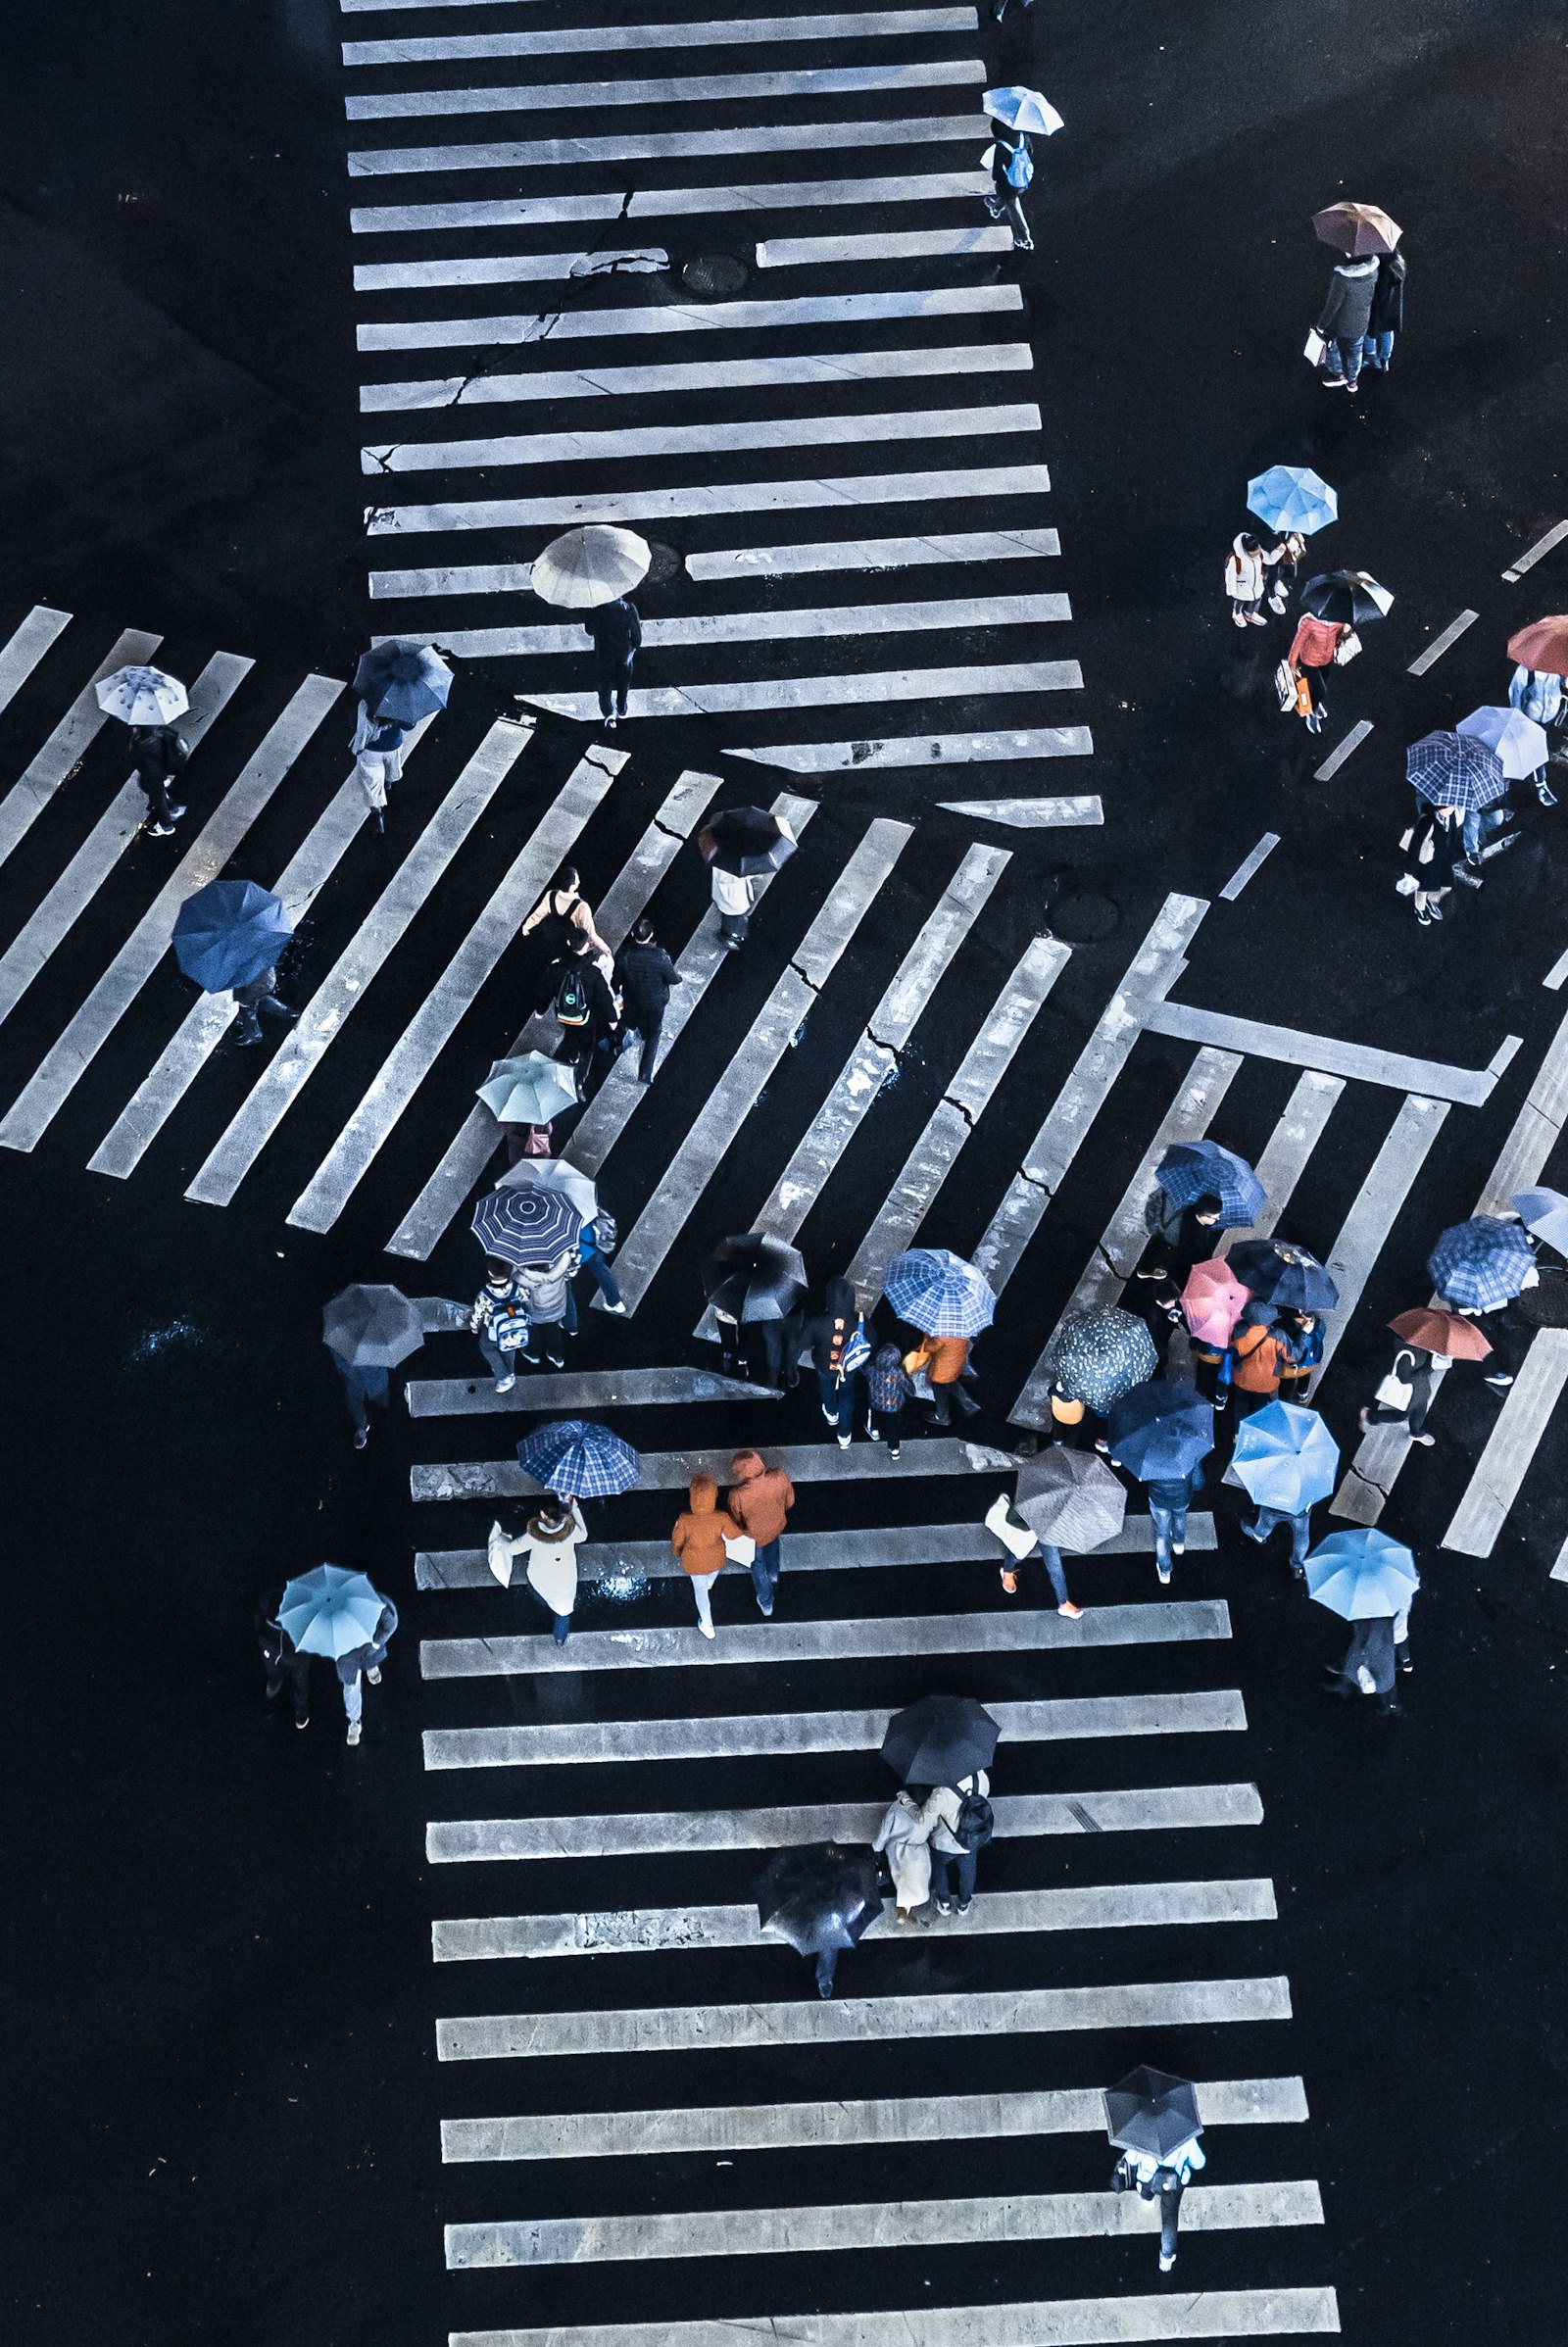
1357 228
588 566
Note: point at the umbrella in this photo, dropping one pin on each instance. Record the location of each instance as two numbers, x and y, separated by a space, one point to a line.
142 696
746 841
1349 598
1481 1263
1285 1457
525 1226
1518 740
940 1739
1152 2112
818 1897
1356 228
580 1459
1161 1429
1543 644
529 1091
228 932
329 1611
1544 1212
1022 109
1099 1354
553 1173
1071 1499
938 1292
372 1328
1193 1169
754 1276
1362 1576
592 566
1293 497
1442 1333
1278 1272
1454 769
403 682
1213 1300
1545 1305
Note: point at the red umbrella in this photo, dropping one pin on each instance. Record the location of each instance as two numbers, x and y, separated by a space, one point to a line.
1442 1333
1357 228
1213 1300
1543 644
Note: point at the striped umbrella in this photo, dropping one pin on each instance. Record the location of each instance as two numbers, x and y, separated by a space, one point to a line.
526 1226
1456 769
1481 1263
939 1293
580 1459
1071 1499
1195 1169
1099 1354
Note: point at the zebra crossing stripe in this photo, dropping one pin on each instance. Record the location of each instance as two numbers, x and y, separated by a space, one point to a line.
691 317
27 646
888 553
811 624
1500 1472
833 368
575 1391
900 244
1030 814
512 268
1364 1062
322 1019
1365 1230
818 692
715 501
686 89
923 749
70 1054
603 39
672 1470
640 146
664 202
699 439
1116 2322
82 722
1286 1152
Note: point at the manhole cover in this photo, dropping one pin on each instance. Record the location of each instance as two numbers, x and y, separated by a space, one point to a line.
711 276
1084 918
665 564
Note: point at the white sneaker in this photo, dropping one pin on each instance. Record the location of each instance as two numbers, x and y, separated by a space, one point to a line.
504 1384
618 1309
1163 1571
354 1732
830 1415
374 1676
844 1442
707 1629
1166 2263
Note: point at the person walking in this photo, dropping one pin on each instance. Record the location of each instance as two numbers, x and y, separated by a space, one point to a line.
777 1341
584 1008
158 755
1370 1661
282 1658
1386 316
1315 647
364 1663
362 1383
904 1840
1538 694
839 1350
699 1540
550 1543
643 978
1342 325
759 1500
1169 1498
545 1289
945 1362
735 894
561 914
1301 1335
1403 1397
1162 2179
1424 879
958 1823
1250 1369
1246 580
889 1385
377 747
1179 1237
257 995
1266 1520
1012 170
500 1321
617 631
1021 1540
1284 559
595 1243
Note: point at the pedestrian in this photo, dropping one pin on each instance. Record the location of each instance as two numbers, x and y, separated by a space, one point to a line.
362 1383
1069 1417
364 1662
777 1341
1346 315
1246 580
904 1840
1250 1369
561 914
1266 1520
944 1363
617 631
1284 559
889 1385
958 1823
1387 316
259 995
1302 1335
1170 1498
1403 1397
839 1350
377 747
700 1537
1423 878
500 1321
1370 1659
1163 2178
595 1243
759 1500
584 1008
1179 1237
1538 693
1012 169
282 1658
1021 1540
1315 646
545 1289
550 1543
158 755
735 895
1507 1334
643 977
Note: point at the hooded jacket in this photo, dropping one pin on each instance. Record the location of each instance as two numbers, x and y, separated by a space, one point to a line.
760 1498
829 1331
1348 306
698 1538
1243 571
545 1288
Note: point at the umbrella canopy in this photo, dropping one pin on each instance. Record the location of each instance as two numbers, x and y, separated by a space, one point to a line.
1285 1457
1519 742
938 1292
1022 109
1293 497
228 932
1150 2111
1481 1263
1278 1272
746 841
754 1277
329 1611
1071 1499
1544 1212
1356 228
553 1173
527 1090
580 1459
1454 769
1193 1169
818 1897
526 1226
940 1739
372 1328
142 696
1099 1354
1362 1576
1543 645
588 566
403 682
1161 1429
1442 1333
1348 598
1213 1300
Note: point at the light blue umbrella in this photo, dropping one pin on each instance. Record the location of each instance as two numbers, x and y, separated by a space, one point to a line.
580 1459
1480 1264
330 1611
1519 742
1285 1457
1362 1576
1022 109
1545 1213
1293 497
939 1293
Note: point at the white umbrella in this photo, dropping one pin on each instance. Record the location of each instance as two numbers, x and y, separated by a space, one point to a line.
553 1173
1022 108
592 566
142 697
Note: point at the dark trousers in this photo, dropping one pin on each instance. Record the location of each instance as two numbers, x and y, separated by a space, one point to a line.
647 1024
942 1864
887 1423
159 809
775 1341
613 676
733 926
296 1669
826 1966
767 1566
361 1386
944 1397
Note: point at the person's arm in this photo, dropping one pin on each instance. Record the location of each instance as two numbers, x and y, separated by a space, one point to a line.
581 917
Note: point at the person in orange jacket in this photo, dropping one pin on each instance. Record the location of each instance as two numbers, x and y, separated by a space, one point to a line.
1257 1355
698 1539
759 1500
945 1360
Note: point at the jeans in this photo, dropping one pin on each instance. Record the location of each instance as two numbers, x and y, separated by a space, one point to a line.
501 1365
560 1624
826 1965
942 1864
702 1590
1170 1524
361 1386
1170 2208
767 1566
1052 1558
838 1397
1268 1519
604 1280
1344 359
1378 349
777 1341
613 679
296 1669
1479 821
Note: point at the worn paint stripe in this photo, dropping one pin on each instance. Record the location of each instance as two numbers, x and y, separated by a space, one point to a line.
921 749
831 368
42 627
1521 1423
603 39
685 89
1362 1063
644 146
1116 2322
54 765
664 202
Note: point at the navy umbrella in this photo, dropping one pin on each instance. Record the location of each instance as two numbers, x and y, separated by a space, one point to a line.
1456 769
1481 1263
228 932
1195 1169
526 1226
818 1897
746 841
403 682
1152 2112
580 1459
754 1276
1160 1431
1279 1273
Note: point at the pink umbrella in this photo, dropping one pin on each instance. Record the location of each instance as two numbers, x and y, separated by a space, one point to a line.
1213 1300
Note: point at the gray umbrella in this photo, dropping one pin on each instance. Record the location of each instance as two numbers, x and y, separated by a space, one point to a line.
1100 1354
372 1328
1071 1499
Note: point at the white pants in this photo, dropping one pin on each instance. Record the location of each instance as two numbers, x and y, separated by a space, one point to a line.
702 1590
376 768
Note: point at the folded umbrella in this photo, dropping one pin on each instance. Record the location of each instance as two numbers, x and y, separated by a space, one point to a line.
939 1293
1160 1431
746 841
403 682
329 1611
1285 1457
588 566
1346 598
1022 109
1293 497
1278 1272
1100 1353
1195 1169
373 1327
1214 1302
1543 1213
531 1090
1152 2112
1442 1333
228 932
1481 1263
1456 769
818 1897
1356 228
939 1740
580 1459
1543 644
1071 1499
1362 1576
553 1173
1519 742
526 1226
142 696
754 1277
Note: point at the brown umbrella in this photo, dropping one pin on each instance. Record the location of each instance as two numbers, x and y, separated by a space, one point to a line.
1357 228
1443 1333
1543 644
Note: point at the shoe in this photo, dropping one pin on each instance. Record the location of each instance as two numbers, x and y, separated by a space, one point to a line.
824 1988
965 1906
1023 244
275 1688
1407 1665
354 1732
305 1723
274 1008
767 1611
830 1415
707 1629
1163 1571
362 1436
1069 1611
609 722
993 206
873 1433
620 1310
1166 2263
374 1676
1546 798
845 1442
174 812
158 831
1249 1531
1335 383
1177 1548
1009 1582
893 1451
1256 620
556 1360
1423 914
504 1384
1434 912
943 1906
253 1035
1237 620
1500 1382
1426 1440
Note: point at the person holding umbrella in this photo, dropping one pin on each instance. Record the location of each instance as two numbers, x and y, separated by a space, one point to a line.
550 1543
1160 1433
1537 689
1015 113
526 1096
1292 502
227 937
148 701
368 1331
1096 1356
1152 2121
1520 743
617 631
947 1744
398 683
1246 577
594 570
1362 233
822 1900
1462 777
1253 1357
742 848
1212 1301
1065 1499
839 1350
1481 1267
948 1301
1404 1394
642 979
701 1540
1368 1580
1302 1334
1387 312
597 1238
1200 1190
1285 1460
341 1615
534 1229
757 1283
904 1840
1332 606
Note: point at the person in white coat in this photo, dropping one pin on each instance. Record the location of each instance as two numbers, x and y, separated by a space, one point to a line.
940 1815
734 894
905 1840
1246 568
550 1543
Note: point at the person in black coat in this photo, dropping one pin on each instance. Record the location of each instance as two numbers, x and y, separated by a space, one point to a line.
617 631
643 976
1387 312
584 1006
158 755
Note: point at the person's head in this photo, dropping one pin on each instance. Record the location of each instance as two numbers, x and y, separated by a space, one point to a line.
704 1494
550 1519
746 1466
1247 543
581 945
566 881
497 1273
839 1297
1207 1208
886 1355
1257 1314
642 930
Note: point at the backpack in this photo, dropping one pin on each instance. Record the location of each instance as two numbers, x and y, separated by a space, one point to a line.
573 1006
976 1824
1020 166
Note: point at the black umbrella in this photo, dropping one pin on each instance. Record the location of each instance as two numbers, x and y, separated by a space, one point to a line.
1348 598
1152 2112
747 840
1278 1272
754 1276
818 1897
940 1739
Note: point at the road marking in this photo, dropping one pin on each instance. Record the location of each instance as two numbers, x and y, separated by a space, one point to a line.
1043 2322
1215 1712
716 501
1286 1152
809 625
820 692
664 202
690 317
1543 546
1248 865
1500 1471
69 743
632 146
1363 1062
1559 1571
41 627
322 1017
672 1470
923 749
1366 1228
687 90
68 1059
1556 974
576 1390
1442 644
900 244
1336 758
507 268
603 39
834 369
886 554
1029 815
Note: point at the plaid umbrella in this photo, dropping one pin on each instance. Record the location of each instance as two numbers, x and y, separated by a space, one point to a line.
1193 1169
1285 1457
329 1611
746 841
1346 598
526 1226
1152 2112
1481 1263
528 1090
1213 1300
372 1328
818 1897
1518 740
1545 1214
1543 644
580 1459
1099 1354
403 682
939 1293
1071 1499
1161 1429
1454 769
1278 1272
1293 497
1442 1333
1356 228
1362 1576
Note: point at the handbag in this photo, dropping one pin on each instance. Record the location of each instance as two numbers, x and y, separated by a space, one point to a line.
1017 1537
1393 1394
1315 348
1285 687
1304 698
497 1555
1345 650
741 1549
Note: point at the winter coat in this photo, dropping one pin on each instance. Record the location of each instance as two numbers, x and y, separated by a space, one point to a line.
760 1498
615 629
890 1383
643 976
1173 1490
1188 1240
700 1530
943 1358
552 1567
1315 641
905 1839
158 753
1244 572
1350 302
827 1333
1255 1355
940 1815
1537 694
1388 295
545 1291
733 892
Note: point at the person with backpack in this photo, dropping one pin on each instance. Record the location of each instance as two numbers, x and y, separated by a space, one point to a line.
1163 2178
1012 170
596 1242
617 631
1246 578
839 1350
1315 647
377 747
890 1386
500 1321
159 753
643 977
1302 1334
584 1009
958 1823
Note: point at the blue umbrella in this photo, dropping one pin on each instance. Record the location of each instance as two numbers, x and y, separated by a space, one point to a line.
1160 1431
228 932
1193 1169
330 1611
403 682
1362 1576
580 1459
1456 769
1480 1264
526 1225
1278 1272
1293 497
1285 1457
1519 742
939 1293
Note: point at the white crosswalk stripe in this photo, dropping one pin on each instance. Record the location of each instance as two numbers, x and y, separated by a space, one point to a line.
645 146
925 751
685 89
36 786
1045 2322
664 202
833 368
599 40
830 622
696 439
41 629
694 317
